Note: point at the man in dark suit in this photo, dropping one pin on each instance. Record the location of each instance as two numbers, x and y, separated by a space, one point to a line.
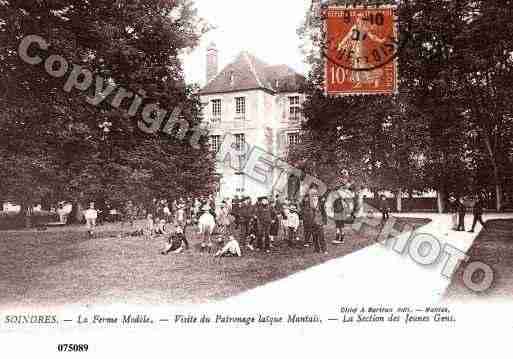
264 217
245 215
339 213
314 216
478 214
462 210
307 226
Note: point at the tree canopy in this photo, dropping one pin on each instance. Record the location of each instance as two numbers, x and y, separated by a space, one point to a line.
449 127
59 144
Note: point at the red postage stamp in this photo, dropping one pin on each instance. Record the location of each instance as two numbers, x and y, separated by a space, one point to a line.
361 50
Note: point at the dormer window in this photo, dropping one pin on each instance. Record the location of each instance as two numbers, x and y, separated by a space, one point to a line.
231 78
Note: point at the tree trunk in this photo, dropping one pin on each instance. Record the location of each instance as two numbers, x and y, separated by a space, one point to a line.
26 215
498 196
75 216
440 201
496 175
399 197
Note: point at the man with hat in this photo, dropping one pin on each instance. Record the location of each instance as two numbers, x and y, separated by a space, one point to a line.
236 204
314 215
292 224
307 226
264 216
245 214
339 214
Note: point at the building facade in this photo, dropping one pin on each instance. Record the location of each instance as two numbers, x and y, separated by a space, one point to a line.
260 105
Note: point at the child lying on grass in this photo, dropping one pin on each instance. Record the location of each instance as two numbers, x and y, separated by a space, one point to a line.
230 249
177 242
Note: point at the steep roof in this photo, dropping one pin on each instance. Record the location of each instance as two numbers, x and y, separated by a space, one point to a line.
248 72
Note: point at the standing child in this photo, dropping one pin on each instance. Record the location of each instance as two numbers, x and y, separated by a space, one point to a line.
284 222
90 215
339 216
149 226
181 216
275 224
292 225
223 220
252 232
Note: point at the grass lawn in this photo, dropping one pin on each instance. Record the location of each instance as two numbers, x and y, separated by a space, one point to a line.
62 266
11 220
495 248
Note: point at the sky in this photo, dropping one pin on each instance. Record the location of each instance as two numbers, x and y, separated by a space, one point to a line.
265 28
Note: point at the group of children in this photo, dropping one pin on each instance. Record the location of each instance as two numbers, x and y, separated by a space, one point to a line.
257 225
259 232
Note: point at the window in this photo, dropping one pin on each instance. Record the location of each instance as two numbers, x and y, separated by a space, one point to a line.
295 108
240 107
216 110
240 141
215 143
294 100
293 138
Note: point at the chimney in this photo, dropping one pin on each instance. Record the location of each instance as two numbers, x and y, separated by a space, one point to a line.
212 64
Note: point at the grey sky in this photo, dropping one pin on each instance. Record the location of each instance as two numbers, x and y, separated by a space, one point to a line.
265 28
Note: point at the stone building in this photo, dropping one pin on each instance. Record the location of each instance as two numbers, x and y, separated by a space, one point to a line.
257 103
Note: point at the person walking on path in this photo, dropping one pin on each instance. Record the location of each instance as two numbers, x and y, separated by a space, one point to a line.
462 211
459 209
477 211
384 209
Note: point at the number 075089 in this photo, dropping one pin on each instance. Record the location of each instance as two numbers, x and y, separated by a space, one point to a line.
72 347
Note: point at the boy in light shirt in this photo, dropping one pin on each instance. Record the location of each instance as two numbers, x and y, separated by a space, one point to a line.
292 225
91 215
230 249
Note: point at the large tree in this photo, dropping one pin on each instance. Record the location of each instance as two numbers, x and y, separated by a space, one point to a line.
451 121
130 44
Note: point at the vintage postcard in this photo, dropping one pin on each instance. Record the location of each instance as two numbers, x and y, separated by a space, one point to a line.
292 178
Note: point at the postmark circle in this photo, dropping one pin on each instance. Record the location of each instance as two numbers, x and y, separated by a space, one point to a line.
362 38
